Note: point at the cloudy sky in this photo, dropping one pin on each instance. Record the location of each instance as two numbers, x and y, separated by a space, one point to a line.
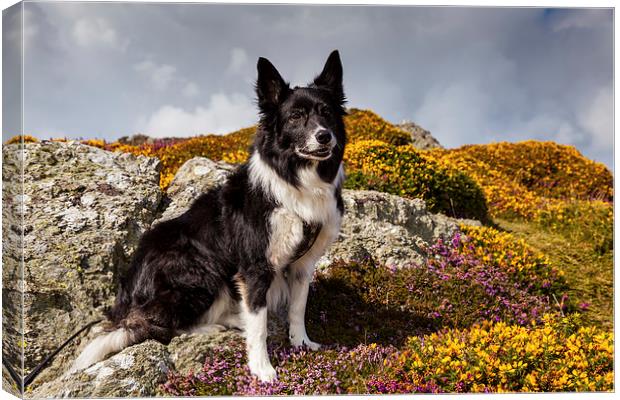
469 75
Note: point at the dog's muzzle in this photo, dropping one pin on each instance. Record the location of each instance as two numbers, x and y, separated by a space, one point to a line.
319 146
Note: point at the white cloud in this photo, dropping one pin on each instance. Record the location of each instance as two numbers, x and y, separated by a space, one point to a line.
454 112
238 60
547 125
89 32
160 76
223 114
191 90
163 76
597 119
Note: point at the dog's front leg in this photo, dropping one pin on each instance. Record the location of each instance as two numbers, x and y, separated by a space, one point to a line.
254 313
298 285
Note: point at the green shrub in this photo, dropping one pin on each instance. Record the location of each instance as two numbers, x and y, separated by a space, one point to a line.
405 171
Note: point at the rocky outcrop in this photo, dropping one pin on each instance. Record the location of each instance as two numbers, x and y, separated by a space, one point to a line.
390 229
84 210
11 266
194 177
137 371
8 384
420 137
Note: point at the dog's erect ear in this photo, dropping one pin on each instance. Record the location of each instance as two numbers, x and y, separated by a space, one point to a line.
331 77
270 87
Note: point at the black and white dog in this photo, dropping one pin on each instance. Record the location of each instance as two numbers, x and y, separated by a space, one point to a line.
249 244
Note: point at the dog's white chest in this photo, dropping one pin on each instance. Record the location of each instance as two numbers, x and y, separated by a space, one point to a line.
311 203
294 242
287 232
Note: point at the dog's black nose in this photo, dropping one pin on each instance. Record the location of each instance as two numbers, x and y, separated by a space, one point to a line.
323 136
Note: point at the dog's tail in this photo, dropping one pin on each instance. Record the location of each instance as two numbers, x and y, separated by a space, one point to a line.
101 346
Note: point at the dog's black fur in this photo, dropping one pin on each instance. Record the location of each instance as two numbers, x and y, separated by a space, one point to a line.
181 265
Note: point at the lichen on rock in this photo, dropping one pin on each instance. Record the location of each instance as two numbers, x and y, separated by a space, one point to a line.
135 372
390 229
84 210
194 177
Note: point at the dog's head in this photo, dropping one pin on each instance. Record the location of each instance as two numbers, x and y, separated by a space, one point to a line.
304 122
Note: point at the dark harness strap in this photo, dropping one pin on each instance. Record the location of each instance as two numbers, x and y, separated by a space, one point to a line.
311 232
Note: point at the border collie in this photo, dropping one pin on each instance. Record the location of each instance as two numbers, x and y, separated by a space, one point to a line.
250 244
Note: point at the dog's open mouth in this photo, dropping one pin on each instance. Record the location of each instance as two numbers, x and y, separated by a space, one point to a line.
319 154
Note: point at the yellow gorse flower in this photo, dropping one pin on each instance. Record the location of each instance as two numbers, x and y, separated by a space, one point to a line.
557 355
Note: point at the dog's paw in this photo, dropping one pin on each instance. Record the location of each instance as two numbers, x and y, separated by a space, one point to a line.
314 346
305 342
263 371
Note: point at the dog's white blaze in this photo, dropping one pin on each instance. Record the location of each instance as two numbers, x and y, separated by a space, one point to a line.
286 233
256 341
305 264
313 201
100 347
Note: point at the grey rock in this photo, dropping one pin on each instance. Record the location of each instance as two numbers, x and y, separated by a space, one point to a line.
8 384
187 352
421 138
194 177
136 371
12 327
390 229
84 210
